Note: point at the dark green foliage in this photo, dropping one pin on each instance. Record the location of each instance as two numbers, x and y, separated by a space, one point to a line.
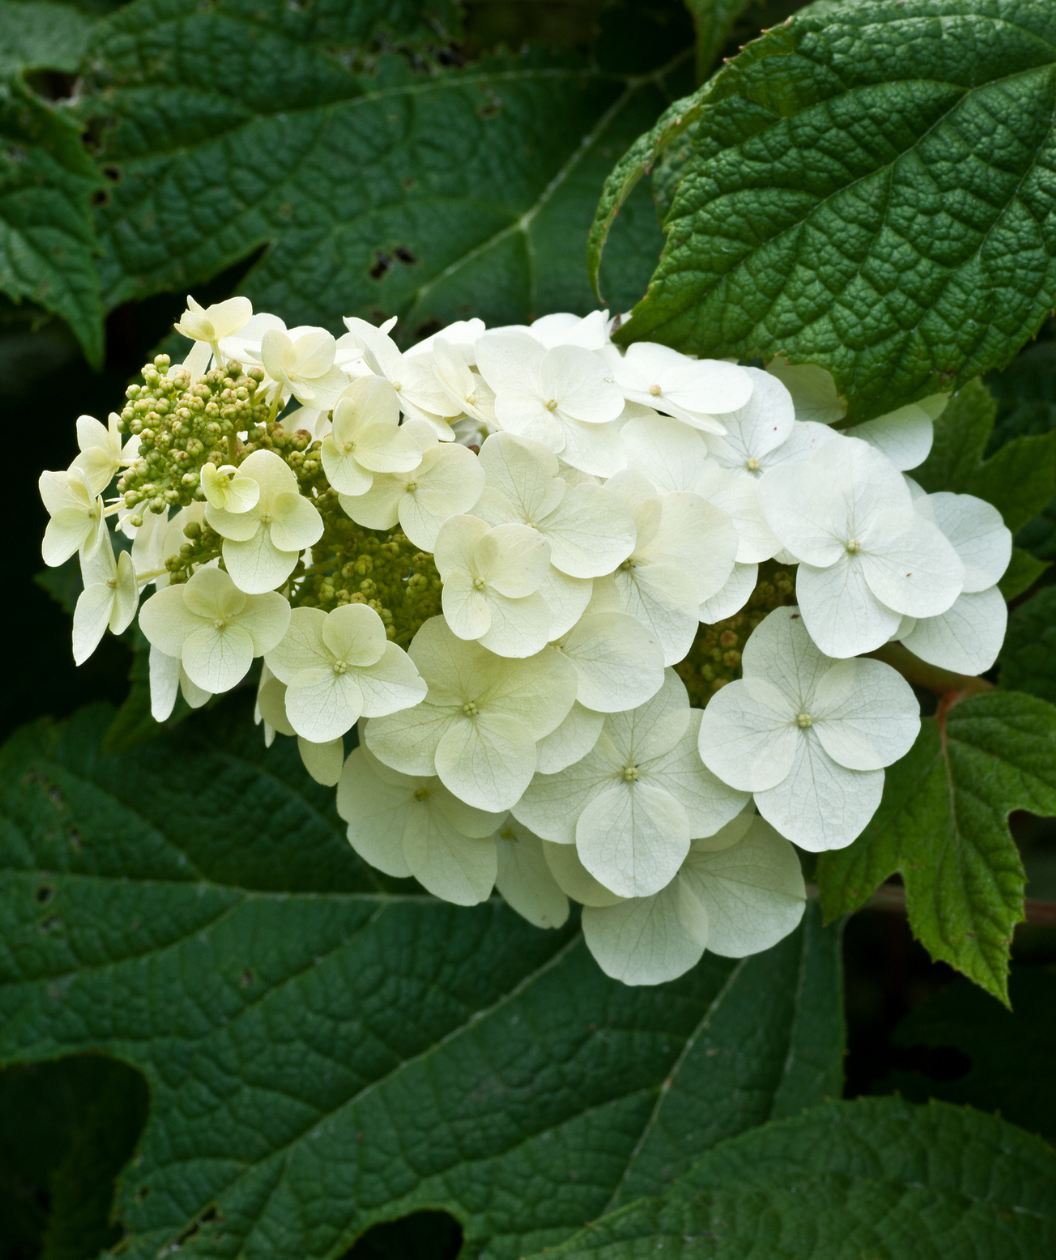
1028 658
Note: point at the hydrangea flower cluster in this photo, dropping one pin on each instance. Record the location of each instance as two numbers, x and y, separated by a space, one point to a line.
600 618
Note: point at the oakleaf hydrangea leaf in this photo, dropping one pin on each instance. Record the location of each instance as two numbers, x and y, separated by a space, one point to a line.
870 190
876 1177
1028 658
327 1048
42 34
943 825
373 188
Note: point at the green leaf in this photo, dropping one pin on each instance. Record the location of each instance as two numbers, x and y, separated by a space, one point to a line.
47 240
1022 572
1018 480
432 194
713 20
943 825
1011 1051
870 191
41 35
326 1048
1028 657
876 1177
65 1131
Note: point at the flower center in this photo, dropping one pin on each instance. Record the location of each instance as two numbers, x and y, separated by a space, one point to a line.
550 404
752 464
470 709
349 446
340 667
854 546
803 720
397 386
629 774
479 584
655 390
219 623
421 794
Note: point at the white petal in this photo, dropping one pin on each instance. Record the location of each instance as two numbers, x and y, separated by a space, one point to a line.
407 740
90 619
820 805
813 390
839 609
375 808
538 691
322 704
664 600
671 454
653 728
217 659
295 523
567 599
301 647
579 383
618 661
571 741
732 596
486 761
167 622
390 684
753 891
466 609
266 618
258 565
592 448
632 836
865 714
781 651
590 532
525 880
978 534
449 481
525 472
164 681
519 627
513 559
965 638
552 803
648 940
904 436
452 866
915 571
126 595
748 735
573 878
379 507
322 761
709 803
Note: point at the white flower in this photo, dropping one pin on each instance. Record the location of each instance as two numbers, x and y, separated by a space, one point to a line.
524 877
463 335
103 450
225 487
765 432
108 601
339 665
214 628
491 583
465 388
301 362
477 726
807 734
366 438
589 529
683 555
412 825
867 557
591 332
263 543
562 398
813 390
422 397
574 879
693 390
618 662
738 892
905 435
633 804
212 324
733 595
245 344
76 511
968 635
447 482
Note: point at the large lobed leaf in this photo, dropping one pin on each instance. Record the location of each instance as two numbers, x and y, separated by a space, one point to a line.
943 825
877 1177
872 188
326 1049
372 186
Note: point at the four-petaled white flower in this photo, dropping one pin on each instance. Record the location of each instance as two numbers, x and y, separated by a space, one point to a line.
738 892
301 363
212 324
225 487
491 583
263 543
696 391
867 558
422 396
633 804
563 398
77 515
103 450
339 665
808 735
214 628
478 724
412 825
366 438
108 601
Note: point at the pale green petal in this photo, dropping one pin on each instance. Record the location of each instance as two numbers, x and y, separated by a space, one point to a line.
648 940
448 864
378 508
753 891
217 659
525 880
748 735
407 741
194 695
455 670
266 618
389 684
487 760
322 704
126 595
90 619
471 821
552 803
591 532
164 673
322 761
301 647
258 565
573 878
295 523
449 482
211 594
618 661
355 634
466 608
664 601
653 728
525 472
271 701
709 803
456 545
514 559
167 622
633 837
571 741
567 599
344 471
376 810
384 449
538 691
518 627
240 526
67 530
272 474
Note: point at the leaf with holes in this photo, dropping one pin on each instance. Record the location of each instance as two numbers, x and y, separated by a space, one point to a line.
872 189
943 825
877 1177
326 1048
47 239
372 188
